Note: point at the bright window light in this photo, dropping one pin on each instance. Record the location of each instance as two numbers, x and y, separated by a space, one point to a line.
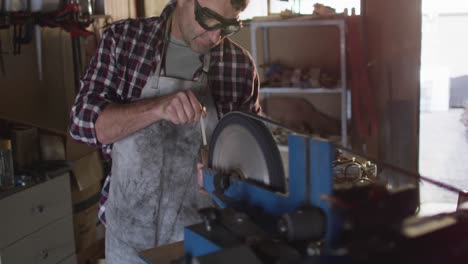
260 7
255 8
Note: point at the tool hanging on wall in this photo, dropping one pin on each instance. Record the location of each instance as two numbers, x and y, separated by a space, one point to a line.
26 25
70 19
22 29
38 41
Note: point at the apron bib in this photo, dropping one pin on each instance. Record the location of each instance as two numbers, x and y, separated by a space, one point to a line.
153 191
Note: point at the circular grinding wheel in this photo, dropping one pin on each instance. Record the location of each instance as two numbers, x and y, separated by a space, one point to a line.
244 144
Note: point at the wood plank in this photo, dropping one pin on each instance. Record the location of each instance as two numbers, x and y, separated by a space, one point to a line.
164 254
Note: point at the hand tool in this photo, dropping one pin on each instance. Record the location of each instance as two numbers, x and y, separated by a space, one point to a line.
202 124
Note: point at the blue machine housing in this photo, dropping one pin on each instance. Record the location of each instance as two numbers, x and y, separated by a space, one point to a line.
310 179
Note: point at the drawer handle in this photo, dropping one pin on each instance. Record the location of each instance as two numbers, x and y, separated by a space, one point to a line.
39 209
45 253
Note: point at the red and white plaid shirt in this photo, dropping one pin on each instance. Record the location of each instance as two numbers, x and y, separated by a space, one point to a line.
127 56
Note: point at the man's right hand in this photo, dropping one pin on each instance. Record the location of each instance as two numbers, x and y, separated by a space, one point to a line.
120 120
180 108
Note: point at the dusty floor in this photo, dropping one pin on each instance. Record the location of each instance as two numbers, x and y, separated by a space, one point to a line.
443 155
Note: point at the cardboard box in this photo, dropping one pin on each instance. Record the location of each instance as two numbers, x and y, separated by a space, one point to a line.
87 171
87 174
87 166
60 136
51 147
85 220
75 150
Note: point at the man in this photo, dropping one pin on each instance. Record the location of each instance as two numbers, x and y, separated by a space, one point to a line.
141 102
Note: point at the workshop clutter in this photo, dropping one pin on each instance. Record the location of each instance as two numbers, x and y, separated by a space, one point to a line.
88 172
72 17
34 146
279 75
19 154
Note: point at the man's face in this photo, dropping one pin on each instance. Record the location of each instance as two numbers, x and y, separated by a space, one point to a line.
198 38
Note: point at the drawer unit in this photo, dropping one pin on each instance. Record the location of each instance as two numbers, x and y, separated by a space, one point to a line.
49 245
29 210
36 224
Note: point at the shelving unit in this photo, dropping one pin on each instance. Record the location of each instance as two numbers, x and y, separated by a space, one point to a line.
340 23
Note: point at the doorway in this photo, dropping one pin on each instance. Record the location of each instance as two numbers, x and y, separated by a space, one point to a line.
443 146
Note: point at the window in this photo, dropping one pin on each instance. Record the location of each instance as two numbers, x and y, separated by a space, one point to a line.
254 9
260 7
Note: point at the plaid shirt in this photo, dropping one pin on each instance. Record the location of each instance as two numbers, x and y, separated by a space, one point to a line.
127 56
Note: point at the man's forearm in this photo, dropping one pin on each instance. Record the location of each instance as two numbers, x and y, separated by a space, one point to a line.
120 120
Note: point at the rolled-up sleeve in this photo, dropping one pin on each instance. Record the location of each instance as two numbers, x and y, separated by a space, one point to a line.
97 90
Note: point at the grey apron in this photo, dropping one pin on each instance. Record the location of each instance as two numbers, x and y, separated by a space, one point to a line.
153 190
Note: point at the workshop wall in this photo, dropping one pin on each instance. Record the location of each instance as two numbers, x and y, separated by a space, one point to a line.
18 85
46 102
393 38
154 7
25 97
120 9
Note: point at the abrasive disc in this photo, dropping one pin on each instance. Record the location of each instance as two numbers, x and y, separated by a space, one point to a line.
244 144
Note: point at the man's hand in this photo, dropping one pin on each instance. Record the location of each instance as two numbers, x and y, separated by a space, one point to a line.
120 120
180 108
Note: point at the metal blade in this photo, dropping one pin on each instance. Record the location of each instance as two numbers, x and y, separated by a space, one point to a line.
244 144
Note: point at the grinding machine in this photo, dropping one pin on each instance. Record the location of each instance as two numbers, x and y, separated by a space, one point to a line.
293 198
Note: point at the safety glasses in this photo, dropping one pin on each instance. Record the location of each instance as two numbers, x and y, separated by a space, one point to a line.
210 20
